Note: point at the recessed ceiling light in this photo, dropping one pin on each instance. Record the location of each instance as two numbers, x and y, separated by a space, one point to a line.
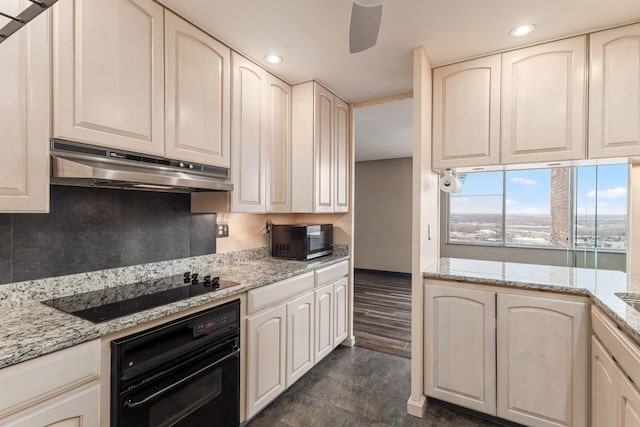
273 59
522 30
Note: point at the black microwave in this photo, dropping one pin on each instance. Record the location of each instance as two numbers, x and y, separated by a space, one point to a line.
301 241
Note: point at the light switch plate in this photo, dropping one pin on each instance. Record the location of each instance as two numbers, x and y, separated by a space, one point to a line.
223 230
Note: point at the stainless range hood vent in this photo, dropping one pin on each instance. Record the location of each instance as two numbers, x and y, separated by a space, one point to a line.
87 166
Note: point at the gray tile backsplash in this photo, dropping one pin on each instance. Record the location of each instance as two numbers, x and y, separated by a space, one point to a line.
91 229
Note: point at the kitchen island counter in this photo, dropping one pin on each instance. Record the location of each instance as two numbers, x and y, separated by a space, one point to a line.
603 286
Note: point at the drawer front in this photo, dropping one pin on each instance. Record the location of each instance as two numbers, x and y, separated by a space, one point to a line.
330 274
617 343
269 295
35 380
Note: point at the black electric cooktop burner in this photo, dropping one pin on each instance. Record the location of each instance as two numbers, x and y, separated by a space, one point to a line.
111 303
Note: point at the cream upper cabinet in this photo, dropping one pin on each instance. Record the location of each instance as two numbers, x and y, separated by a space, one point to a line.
542 360
266 357
320 150
460 353
198 86
342 155
466 114
249 135
261 140
614 92
108 76
277 167
300 333
543 102
25 112
324 192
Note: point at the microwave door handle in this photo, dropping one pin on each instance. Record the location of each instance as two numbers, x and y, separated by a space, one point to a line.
133 405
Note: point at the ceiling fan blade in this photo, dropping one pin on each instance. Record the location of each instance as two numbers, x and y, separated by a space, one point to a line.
364 27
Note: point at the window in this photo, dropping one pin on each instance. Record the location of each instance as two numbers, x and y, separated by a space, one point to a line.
583 207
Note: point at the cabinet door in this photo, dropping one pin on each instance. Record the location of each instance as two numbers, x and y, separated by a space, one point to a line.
324 191
324 322
628 402
24 112
542 360
342 155
340 302
108 81
543 102
300 332
466 114
614 92
604 386
249 136
460 346
266 357
76 408
198 87
278 154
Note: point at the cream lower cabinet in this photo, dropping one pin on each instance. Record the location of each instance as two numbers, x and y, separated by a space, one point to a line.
25 115
460 358
341 312
542 360
615 396
77 408
266 357
300 333
513 354
60 389
324 322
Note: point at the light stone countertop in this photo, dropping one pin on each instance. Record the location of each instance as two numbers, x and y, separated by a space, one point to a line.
30 329
601 285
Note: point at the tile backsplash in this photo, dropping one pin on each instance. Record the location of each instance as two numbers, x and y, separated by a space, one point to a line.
90 229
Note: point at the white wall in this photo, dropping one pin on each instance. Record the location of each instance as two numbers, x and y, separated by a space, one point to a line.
382 218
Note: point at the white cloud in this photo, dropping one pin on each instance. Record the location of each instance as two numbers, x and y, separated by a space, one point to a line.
609 193
511 202
523 181
533 210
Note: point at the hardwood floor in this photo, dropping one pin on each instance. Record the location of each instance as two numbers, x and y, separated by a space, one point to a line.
382 312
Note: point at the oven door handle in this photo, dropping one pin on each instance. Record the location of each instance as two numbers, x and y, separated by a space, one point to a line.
132 405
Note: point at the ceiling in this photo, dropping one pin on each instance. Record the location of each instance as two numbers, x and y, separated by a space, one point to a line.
312 37
384 131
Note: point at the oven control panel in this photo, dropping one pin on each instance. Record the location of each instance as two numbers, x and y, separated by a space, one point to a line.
215 324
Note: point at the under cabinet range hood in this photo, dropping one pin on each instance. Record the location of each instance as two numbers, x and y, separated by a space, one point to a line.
87 166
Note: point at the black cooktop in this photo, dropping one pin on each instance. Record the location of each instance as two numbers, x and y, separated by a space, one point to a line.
111 303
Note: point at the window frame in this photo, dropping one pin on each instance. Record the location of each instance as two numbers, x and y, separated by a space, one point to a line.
571 245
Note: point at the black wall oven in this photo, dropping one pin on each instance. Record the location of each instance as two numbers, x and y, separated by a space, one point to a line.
183 373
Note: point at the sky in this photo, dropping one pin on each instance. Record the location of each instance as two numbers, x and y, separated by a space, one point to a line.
528 191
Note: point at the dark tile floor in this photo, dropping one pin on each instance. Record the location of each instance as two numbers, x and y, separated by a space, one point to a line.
356 387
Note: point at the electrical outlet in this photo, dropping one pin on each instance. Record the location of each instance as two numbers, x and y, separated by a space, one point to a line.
223 230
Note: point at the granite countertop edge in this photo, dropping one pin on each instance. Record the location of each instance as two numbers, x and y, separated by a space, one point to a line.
603 296
32 329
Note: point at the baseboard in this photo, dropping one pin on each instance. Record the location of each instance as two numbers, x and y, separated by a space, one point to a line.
386 273
417 408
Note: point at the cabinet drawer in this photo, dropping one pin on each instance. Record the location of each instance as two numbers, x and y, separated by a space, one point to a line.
266 296
332 273
619 345
35 380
